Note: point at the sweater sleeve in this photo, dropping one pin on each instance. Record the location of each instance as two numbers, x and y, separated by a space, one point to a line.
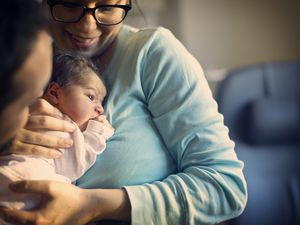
95 136
209 186
87 145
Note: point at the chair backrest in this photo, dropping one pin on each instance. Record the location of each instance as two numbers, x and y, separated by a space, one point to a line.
261 107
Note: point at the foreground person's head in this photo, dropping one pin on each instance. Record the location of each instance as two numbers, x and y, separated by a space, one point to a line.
25 66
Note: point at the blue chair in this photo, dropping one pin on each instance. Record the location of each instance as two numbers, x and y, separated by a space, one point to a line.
261 107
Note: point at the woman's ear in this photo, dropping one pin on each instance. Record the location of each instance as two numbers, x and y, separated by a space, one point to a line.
52 93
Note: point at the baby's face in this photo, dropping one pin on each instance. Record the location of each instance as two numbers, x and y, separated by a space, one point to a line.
83 101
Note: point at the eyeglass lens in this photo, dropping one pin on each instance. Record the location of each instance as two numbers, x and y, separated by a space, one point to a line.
72 13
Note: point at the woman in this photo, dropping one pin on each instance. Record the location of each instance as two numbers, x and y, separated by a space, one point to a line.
170 161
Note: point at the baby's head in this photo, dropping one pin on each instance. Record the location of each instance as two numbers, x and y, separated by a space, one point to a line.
76 88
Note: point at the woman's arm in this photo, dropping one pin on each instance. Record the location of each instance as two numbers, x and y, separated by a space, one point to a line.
72 205
42 116
209 186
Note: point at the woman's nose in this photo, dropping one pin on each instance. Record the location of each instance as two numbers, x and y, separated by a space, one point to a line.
88 23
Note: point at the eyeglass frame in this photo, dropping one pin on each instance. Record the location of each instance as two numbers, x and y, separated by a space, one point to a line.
85 9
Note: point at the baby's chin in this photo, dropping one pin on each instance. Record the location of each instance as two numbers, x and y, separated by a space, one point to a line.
83 126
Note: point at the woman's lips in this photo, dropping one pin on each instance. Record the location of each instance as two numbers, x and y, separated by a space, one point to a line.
82 42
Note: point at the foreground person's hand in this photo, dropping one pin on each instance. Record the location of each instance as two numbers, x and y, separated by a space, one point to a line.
66 204
43 116
62 204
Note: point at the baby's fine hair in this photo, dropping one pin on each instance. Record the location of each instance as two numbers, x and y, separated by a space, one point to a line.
70 68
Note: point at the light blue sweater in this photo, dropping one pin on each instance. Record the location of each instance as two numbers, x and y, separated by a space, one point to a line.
171 150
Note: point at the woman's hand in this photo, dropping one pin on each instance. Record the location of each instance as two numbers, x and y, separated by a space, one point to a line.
66 204
42 116
62 204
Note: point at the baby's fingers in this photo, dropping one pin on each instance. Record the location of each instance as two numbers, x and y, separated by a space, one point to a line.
102 119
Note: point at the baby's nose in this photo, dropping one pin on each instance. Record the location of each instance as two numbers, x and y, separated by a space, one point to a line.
99 109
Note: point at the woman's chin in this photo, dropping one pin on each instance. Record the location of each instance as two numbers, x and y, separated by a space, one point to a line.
87 51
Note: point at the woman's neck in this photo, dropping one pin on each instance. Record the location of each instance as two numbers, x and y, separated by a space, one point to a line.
102 60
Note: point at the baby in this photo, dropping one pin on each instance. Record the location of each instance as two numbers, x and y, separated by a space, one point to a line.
77 91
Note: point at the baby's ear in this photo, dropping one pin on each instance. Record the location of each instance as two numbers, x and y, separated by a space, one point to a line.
52 93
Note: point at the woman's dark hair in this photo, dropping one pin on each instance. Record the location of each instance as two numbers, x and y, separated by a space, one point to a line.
70 67
20 23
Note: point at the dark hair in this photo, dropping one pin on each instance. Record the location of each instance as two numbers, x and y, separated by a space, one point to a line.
70 67
20 22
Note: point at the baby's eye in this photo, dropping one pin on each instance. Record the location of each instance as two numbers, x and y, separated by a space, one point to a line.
91 97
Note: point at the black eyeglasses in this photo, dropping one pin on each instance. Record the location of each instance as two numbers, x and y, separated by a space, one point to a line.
68 12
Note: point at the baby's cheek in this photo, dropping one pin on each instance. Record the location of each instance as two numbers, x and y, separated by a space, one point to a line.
81 116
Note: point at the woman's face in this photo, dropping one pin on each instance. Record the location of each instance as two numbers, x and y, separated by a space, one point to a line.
86 35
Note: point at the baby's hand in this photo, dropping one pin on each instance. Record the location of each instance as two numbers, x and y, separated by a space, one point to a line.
102 119
106 130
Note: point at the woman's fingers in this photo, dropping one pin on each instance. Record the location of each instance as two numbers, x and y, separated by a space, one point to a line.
43 107
16 217
33 216
32 143
31 137
45 116
55 195
37 150
36 122
32 186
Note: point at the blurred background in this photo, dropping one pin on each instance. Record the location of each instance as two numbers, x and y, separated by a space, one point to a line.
250 53
227 34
